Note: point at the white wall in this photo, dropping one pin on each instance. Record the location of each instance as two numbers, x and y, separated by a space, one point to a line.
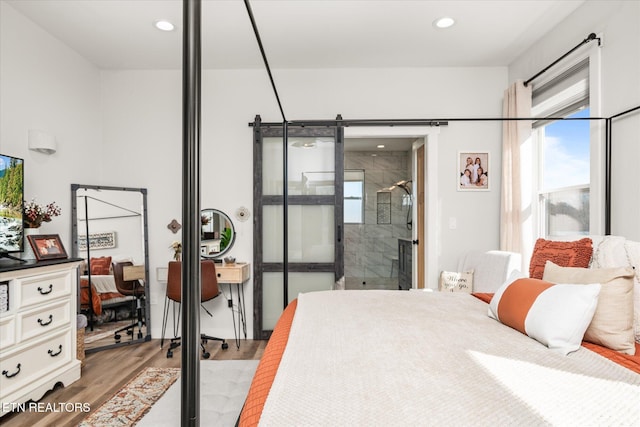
142 121
618 23
47 86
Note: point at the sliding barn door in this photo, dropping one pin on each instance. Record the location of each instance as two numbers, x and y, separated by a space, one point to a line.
310 201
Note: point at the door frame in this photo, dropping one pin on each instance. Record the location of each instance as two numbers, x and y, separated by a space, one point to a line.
427 136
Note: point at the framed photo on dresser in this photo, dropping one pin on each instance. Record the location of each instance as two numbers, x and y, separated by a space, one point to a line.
47 246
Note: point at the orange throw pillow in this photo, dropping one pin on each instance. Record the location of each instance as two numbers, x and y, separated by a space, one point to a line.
101 266
565 254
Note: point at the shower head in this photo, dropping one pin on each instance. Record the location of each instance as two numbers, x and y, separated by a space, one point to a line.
404 185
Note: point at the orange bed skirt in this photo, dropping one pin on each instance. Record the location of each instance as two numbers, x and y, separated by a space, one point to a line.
268 366
266 371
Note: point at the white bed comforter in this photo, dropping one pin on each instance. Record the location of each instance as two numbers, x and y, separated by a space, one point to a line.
103 283
383 358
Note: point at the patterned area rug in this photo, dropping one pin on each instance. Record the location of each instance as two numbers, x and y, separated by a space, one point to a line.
129 404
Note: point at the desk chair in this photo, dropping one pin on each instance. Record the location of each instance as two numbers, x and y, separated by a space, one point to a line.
209 291
129 288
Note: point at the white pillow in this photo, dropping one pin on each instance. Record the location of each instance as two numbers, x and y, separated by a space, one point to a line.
556 315
451 281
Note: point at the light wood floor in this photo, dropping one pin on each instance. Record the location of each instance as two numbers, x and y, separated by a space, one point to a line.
105 372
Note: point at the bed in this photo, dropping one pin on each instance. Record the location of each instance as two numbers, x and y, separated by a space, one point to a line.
104 293
429 358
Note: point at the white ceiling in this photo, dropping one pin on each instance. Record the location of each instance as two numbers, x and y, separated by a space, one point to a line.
118 34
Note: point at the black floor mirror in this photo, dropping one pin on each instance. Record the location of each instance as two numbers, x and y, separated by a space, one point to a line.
109 232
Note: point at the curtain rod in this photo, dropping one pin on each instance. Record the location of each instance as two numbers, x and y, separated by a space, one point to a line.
589 38
264 56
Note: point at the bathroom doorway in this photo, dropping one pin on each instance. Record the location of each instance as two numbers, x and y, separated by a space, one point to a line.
378 209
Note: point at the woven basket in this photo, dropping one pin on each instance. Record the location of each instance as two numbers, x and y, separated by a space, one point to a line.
80 346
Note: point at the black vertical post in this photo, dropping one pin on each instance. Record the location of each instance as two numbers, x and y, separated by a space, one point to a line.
285 213
190 370
607 174
257 228
86 233
339 202
145 248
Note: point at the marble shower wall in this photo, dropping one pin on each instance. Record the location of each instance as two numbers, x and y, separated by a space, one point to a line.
370 247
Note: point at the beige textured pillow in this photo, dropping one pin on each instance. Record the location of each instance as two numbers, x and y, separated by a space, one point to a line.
456 282
612 323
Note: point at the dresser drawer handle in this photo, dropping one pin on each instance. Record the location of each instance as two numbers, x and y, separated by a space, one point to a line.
52 354
8 375
45 323
43 292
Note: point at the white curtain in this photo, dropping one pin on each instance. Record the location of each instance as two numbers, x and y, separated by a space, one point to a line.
516 104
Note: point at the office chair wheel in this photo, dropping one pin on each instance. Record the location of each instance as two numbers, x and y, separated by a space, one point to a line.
206 355
225 346
130 332
169 354
117 337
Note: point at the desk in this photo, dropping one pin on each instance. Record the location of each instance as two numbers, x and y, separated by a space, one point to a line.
238 274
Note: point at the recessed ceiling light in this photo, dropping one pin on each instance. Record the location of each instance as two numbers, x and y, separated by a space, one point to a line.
444 22
164 25
380 145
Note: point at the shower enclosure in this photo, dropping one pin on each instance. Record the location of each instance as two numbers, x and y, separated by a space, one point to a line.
378 204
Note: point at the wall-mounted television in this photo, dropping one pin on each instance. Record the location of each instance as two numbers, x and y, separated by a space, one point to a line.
11 205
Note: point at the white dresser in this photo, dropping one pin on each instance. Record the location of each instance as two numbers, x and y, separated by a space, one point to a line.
37 330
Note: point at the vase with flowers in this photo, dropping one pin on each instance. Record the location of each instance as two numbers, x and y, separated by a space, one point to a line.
33 217
35 214
204 221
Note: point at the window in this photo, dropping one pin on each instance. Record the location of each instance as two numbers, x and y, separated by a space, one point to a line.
564 195
354 197
564 146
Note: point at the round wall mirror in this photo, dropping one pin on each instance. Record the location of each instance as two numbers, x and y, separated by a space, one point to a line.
217 233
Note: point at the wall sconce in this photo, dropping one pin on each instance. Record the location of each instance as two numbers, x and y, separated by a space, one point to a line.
42 142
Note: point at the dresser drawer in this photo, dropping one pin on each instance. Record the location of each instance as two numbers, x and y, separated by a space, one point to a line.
239 273
43 288
44 319
7 332
18 369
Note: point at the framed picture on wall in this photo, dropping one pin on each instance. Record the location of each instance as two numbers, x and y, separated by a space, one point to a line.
47 246
473 171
